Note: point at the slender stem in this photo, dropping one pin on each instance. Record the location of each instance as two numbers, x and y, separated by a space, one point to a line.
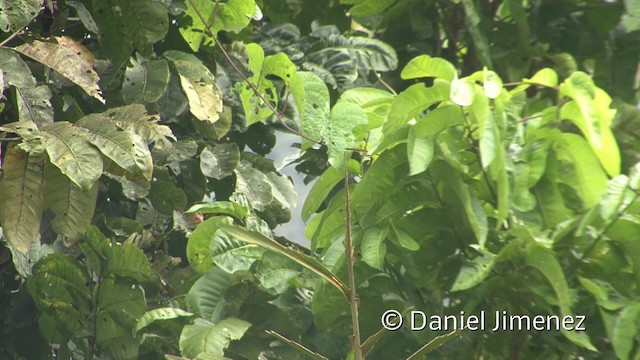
15 33
253 86
354 302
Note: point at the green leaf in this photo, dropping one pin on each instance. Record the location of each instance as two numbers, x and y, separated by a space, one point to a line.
589 179
69 150
339 136
126 149
21 197
129 24
312 99
368 53
34 104
166 196
220 207
369 7
14 70
419 152
160 314
492 84
426 66
626 325
73 207
219 161
120 303
373 247
69 58
265 191
254 107
320 190
145 82
209 18
591 113
17 14
58 289
205 336
206 296
543 259
125 261
545 77
474 271
209 246
438 120
404 239
190 66
413 101
302 259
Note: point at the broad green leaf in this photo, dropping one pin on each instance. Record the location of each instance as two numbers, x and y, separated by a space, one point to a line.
125 261
57 286
404 239
219 161
206 296
373 248
302 259
339 136
166 196
474 271
129 24
462 92
73 207
205 100
312 99
145 82
209 246
120 303
298 347
426 66
274 272
16 14
209 18
624 231
320 190
128 150
376 103
626 325
544 261
419 152
591 113
69 58
24 262
205 336
413 101
368 7
368 53
438 120
70 151
14 70
266 192
21 197
160 314
254 107
589 178
220 207
34 104
85 16
545 77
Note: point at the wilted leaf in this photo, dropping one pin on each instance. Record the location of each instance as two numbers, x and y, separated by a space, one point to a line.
205 100
67 58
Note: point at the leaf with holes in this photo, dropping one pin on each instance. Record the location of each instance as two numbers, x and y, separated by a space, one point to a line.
21 197
67 58
205 100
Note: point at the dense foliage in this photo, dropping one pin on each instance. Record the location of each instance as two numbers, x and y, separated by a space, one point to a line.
468 156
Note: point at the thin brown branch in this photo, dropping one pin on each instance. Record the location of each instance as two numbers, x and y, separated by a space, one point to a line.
354 301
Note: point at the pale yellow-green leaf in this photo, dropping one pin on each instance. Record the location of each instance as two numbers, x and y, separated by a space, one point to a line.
205 100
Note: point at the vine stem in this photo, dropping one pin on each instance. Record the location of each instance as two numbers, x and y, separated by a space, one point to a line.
15 33
354 302
256 91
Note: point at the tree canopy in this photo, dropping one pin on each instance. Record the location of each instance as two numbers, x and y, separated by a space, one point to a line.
465 160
